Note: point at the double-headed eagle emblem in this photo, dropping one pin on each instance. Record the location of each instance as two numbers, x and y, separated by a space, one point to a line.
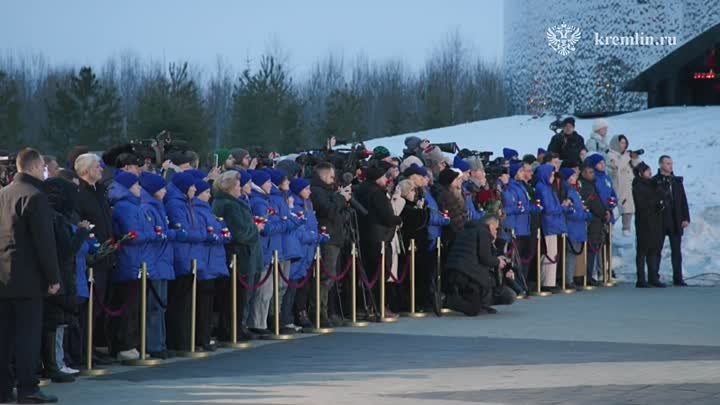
562 38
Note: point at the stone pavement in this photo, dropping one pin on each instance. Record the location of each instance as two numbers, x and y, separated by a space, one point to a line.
610 346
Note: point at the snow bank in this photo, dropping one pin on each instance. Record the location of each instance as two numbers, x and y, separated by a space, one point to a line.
691 135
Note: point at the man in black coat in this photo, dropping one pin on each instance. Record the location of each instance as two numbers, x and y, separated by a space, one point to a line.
92 206
468 281
568 143
600 217
676 215
328 204
28 272
649 209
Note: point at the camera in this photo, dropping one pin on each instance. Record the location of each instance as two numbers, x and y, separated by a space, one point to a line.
557 125
638 152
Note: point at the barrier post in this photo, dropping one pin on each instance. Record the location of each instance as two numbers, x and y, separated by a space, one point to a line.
233 343
192 353
383 252
564 288
353 322
318 326
89 370
143 360
412 313
538 291
276 335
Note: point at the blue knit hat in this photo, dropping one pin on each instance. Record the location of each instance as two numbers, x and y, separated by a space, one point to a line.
277 177
415 169
461 165
567 172
126 179
183 181
514 168
259 177
245 178
199 175
594 159
541 151
510 154
201 186
152 183
298 185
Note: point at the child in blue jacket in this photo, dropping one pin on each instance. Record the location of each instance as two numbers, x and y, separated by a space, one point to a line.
553 222
577 221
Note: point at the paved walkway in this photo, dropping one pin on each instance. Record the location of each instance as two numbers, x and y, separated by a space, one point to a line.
610 346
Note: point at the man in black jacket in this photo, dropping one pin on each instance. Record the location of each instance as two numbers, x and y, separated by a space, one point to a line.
649 209
676 215
328 204
568 143
92 206
470 268
600 217
28 271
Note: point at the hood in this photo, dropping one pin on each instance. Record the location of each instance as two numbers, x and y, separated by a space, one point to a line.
544 172
615 143
258 193
275 191
200 203
118 192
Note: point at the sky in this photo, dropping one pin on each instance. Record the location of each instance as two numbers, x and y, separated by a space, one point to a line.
89 31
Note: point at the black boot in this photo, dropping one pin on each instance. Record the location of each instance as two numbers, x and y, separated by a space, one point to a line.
37 398
303 320
50 367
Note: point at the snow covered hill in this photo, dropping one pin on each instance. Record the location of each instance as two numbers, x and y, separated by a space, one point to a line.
691 135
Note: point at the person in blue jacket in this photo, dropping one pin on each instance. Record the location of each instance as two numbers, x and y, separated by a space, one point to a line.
305 239
577 222
182 217
281 202
160 260
553 222
128 217
211 263
603 183
518 208
474 214
270 240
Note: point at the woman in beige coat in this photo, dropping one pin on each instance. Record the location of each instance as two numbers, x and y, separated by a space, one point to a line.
622 166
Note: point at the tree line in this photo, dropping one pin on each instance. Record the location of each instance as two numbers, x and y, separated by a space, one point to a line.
262 106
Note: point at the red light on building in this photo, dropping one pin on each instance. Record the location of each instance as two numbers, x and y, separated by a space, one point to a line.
704 75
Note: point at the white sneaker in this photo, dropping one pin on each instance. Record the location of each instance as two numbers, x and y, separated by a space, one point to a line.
128 355
68 370
626 232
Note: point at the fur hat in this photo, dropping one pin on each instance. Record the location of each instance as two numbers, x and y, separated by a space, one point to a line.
410 161
433 155
475 162
598 124
448 175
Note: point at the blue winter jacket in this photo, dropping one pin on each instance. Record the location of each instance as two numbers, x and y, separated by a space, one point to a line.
605 189
307 237
181 215
553 214
437 221
577 218
160 254
89 247
517 207
271 236
212 262
278 202
128 215
473 213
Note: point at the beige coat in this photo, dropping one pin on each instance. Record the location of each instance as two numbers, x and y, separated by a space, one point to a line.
622 169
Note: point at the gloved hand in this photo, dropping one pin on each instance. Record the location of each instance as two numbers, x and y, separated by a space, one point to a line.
323 238
181 235
212 238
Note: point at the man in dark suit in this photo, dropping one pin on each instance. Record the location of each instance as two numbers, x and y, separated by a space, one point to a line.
28 271
676 215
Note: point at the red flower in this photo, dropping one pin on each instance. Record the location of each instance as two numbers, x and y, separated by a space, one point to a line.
133 235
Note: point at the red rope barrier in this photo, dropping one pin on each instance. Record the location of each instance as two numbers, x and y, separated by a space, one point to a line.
293 285
370 284
402 278
114 313
257 286
529 259
339 277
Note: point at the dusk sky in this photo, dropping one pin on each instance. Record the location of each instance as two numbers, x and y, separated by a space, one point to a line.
89 31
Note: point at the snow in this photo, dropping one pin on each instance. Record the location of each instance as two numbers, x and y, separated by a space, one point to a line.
690 135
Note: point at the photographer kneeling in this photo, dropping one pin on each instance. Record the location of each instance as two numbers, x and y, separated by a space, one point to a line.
470 284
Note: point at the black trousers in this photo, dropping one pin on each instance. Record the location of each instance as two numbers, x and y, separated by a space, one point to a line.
524 250
125 328
204 311
676 254
223 305
20 332
178 313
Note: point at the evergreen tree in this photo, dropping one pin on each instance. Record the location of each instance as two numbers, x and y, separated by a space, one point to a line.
267 111
10 123
173 102
345 115
83 112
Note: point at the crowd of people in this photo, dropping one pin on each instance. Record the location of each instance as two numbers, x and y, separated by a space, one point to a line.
472 231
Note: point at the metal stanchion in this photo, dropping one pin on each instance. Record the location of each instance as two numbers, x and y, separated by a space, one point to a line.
192 353
143 360
383 318
586 286
233 343
609 282
446 311
318 327
353 322
564 288
89 370
412 313
539 292
276 335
